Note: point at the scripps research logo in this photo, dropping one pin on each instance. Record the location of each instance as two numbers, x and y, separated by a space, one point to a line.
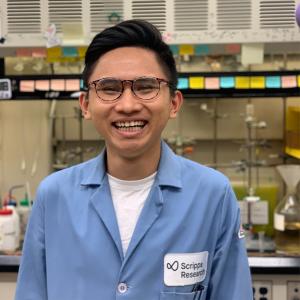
173 266
185 268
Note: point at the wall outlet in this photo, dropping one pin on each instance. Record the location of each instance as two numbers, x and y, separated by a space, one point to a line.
262 290
293 290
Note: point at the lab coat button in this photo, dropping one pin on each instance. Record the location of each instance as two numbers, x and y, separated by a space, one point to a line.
122 287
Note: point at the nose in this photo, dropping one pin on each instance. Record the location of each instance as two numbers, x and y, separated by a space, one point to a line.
128 103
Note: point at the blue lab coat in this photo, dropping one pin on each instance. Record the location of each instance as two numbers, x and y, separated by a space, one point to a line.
73 251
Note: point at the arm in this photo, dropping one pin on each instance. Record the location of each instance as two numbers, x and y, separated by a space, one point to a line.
31 284
230 275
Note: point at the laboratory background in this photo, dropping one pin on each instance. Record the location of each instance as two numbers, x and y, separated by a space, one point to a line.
239 72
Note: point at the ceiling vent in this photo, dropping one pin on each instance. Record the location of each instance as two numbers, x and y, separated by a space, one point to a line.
64 11
233 14
153 11
23 16
191 15
277 14
104 13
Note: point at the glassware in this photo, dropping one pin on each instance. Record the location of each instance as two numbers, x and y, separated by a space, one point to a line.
287 212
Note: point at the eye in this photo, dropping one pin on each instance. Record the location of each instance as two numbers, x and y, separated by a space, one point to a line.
146 85
109 86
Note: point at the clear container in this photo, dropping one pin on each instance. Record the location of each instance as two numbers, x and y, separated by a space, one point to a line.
287 213
24 210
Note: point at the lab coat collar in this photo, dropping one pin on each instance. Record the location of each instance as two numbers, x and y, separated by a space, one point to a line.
169 169
95 172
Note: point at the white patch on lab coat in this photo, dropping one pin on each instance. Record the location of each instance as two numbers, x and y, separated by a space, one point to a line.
185 268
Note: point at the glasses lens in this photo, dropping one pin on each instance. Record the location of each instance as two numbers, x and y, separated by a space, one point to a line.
109 89
146 88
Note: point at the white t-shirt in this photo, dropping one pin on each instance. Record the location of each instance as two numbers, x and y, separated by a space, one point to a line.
129 198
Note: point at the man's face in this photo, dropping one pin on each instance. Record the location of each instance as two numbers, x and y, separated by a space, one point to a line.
130 126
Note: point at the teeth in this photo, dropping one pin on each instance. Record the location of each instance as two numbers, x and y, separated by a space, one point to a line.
130 124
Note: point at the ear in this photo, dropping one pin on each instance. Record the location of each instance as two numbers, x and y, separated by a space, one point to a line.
84 105
176 102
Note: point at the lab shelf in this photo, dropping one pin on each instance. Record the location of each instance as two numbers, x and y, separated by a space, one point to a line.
270 264
190 93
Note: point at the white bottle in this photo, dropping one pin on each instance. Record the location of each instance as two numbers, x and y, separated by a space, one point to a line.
16 224
8 230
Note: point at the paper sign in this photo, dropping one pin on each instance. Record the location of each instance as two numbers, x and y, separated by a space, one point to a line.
39 52
186 50
23 52
273 82
52 39
183 83
42 85
72 85
81 84
242 82
167 37
288 81
201 49
244 211
233 48
57 84
227 82
259 212
81 51
26 86
257 82
69 52
196 82
212 83
252 54
53 54
174 49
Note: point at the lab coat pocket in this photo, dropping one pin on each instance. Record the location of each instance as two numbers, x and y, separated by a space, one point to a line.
198 295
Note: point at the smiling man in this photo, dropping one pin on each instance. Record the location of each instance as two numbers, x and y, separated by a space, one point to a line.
136 222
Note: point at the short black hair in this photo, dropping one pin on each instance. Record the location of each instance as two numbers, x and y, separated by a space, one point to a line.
131 33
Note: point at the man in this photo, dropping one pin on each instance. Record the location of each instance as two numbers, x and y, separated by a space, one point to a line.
137 222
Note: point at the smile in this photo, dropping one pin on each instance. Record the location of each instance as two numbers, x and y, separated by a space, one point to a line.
130 125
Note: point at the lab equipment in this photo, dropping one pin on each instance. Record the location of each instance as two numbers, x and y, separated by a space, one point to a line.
5 88
287 212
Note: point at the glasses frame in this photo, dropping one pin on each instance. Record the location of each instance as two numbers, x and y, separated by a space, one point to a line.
132 81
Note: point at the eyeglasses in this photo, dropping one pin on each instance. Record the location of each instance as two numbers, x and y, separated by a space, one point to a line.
144 88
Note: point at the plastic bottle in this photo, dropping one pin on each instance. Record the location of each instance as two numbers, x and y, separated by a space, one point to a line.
24 210
9 240
16 219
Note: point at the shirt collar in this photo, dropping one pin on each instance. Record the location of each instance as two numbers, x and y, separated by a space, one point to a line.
168 174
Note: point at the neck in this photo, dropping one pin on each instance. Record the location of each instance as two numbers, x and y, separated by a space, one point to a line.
133 168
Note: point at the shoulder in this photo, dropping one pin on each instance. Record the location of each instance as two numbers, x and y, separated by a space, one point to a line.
197 172
69 176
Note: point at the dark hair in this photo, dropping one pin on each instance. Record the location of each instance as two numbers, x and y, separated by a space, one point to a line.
135 33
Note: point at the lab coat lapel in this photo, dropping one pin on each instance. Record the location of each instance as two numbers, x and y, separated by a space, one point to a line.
149 214
102 203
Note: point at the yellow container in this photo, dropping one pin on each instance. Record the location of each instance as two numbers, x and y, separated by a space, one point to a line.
292 146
